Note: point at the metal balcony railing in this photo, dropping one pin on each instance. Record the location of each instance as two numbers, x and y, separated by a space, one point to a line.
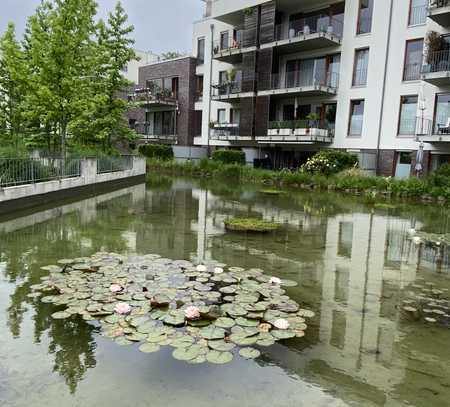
309 25
300 124
435 4
230 42
437 61
224 130
296 79
227 88
148 131
114 164
21 171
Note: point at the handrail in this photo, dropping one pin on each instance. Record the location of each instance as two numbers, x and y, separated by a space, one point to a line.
437 61
305 78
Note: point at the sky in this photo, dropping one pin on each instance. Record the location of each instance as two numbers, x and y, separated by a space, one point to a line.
160 25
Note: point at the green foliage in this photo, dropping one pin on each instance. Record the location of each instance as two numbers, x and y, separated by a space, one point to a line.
171 55
229 156
157 151
62 84
250 225
330 162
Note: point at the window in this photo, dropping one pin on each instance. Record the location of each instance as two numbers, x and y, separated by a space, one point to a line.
442 114
365 16
224 40
235 116
418 10
199 88
360 67
221 116
413 60
356 118
155 85
222 77
408 114
201 51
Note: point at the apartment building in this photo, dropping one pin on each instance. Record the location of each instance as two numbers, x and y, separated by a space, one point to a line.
285 78
131 70
164 100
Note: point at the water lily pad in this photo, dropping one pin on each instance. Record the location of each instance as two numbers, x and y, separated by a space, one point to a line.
122 341
182 342
61 315
242 339
219 358
188 353
149 347
282 334
224 322
221 345
246 322
249 353
211 332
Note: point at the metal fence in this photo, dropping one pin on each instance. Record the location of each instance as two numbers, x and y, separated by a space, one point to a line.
304 79
114 164
437 61
21 171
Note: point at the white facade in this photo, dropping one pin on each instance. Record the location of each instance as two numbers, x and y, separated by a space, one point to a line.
131 70
393 24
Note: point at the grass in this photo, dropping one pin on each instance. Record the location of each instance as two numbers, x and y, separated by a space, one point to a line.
350 181
250 225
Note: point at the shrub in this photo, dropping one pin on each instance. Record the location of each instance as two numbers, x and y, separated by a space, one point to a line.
441 176
229 156
159 151
329 162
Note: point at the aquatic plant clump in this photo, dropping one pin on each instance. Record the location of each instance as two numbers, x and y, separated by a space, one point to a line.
207 313
250 225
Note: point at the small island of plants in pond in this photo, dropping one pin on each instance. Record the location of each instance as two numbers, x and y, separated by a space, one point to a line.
205 312
255 225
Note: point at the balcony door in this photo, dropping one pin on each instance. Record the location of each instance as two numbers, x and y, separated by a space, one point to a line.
291 74
288 112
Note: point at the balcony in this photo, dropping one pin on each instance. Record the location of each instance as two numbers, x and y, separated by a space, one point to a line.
227 132
298 132
147 133
232 90
439 12
437 69
303 83
153 97
230 48
307 34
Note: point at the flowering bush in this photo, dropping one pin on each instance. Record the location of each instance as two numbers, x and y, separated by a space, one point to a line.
329 162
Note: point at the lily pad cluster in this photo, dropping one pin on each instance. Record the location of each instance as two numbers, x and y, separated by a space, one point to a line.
206 313
250 225
427 303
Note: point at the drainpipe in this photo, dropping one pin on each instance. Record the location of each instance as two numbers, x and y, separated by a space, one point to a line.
210 85
384 88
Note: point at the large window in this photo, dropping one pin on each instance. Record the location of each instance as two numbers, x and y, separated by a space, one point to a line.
408 114
413 60
224 40
221 116
442 115
201 51
418 12
365 16
360 67
235 116
356 118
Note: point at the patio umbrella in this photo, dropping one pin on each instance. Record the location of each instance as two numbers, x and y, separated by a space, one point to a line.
419 160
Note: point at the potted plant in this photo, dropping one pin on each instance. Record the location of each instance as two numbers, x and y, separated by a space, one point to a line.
434 43
313 119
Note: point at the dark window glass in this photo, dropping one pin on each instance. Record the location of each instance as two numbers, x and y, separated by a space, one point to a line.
201 50
360 67
224 40
442 115
365 16
408 114
413 60
418 12
356 117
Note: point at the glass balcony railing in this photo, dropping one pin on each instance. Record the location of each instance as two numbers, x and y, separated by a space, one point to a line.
435 4
225 130
309 25
302 79
147 130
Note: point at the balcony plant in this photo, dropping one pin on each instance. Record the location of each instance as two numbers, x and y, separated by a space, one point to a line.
434 43
313 120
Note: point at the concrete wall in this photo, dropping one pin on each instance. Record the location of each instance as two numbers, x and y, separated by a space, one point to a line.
89 177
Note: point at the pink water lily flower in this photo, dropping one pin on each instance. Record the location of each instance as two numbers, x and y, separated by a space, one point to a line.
116 288
122 308
192 312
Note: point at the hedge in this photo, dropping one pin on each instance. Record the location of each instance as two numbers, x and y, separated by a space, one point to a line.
159 151
229 156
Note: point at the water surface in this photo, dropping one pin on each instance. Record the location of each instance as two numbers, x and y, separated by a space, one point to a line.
354 264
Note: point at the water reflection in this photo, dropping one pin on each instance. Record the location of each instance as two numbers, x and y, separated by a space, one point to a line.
353 264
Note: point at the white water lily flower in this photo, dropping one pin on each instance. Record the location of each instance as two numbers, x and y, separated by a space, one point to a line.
412 231
202 268
122 308
218 270
192 312
281 324
416 239
275 280
116 288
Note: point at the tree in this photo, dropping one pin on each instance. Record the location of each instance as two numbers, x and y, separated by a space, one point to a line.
13 78
107 118
61 51
171 55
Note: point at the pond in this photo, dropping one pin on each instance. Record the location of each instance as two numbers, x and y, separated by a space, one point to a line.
355 265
